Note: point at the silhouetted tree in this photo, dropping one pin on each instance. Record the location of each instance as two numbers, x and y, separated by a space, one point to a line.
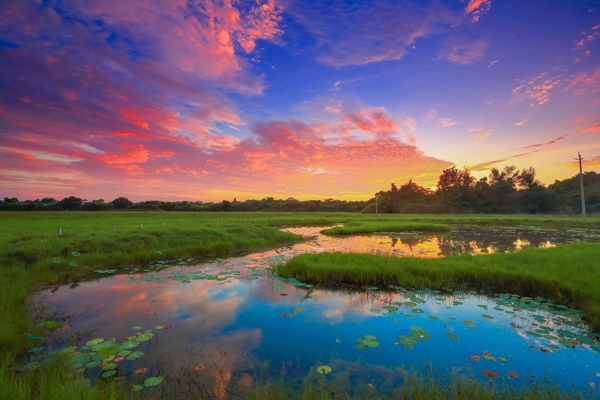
121 203
70 203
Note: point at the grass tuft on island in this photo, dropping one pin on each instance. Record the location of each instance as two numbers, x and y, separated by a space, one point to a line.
567 274
356 227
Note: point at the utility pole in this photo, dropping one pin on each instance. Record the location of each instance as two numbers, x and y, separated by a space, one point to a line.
376 197
581 185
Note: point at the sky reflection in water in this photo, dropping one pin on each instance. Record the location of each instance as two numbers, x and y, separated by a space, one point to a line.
232 318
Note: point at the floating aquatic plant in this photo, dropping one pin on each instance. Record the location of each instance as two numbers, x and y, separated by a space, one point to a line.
323 369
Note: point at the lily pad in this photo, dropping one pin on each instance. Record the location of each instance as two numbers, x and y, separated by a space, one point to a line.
374 310
154 381
137 328
277 287
489 358
323 369
109 373
51 325
451 336
135 355
137 388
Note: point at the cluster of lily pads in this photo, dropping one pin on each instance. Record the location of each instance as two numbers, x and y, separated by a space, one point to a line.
103 358
369 342
409 341
558 324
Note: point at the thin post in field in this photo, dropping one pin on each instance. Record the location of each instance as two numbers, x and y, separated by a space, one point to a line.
581 186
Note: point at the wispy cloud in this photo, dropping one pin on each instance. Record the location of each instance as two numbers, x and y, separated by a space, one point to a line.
446 122
484 166
481 137
587 83
465 54
521 122
367 32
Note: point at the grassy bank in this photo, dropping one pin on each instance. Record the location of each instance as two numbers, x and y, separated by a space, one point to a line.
567 274
357 227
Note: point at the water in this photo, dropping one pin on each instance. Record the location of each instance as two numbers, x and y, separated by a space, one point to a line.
231 320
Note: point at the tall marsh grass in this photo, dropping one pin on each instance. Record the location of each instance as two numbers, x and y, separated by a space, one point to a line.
566 274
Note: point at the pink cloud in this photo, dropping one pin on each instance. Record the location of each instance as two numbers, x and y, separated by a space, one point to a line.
446 122
477 8
465 54
536 90
481 137
587 83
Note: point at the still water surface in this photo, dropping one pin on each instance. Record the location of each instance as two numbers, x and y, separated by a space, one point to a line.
233 319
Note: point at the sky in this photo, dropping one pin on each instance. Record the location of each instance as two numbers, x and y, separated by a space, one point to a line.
210 100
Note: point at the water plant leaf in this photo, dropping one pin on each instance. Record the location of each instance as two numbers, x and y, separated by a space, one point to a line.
390 309
108 366
159 327
144 337
489 374
489 358
154 381
168 326
417 311
34 338
51 325
136 328
451 336
137 388
76 254
323 369
135 355
93 364
36 349
109 351
407 340
374 310
140 371
486 316
277 287
130 344
109 373
502 359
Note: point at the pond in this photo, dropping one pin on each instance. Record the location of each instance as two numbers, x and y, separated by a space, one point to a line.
222 323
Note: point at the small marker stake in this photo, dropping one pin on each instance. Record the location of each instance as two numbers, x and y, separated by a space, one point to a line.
179 222
114 225
59 231
163 223
141 226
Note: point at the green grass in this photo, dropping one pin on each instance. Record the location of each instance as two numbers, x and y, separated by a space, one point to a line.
566 274
356 227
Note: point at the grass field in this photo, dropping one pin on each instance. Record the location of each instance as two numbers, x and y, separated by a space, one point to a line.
32 253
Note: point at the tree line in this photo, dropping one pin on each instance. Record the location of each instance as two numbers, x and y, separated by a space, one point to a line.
503 191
